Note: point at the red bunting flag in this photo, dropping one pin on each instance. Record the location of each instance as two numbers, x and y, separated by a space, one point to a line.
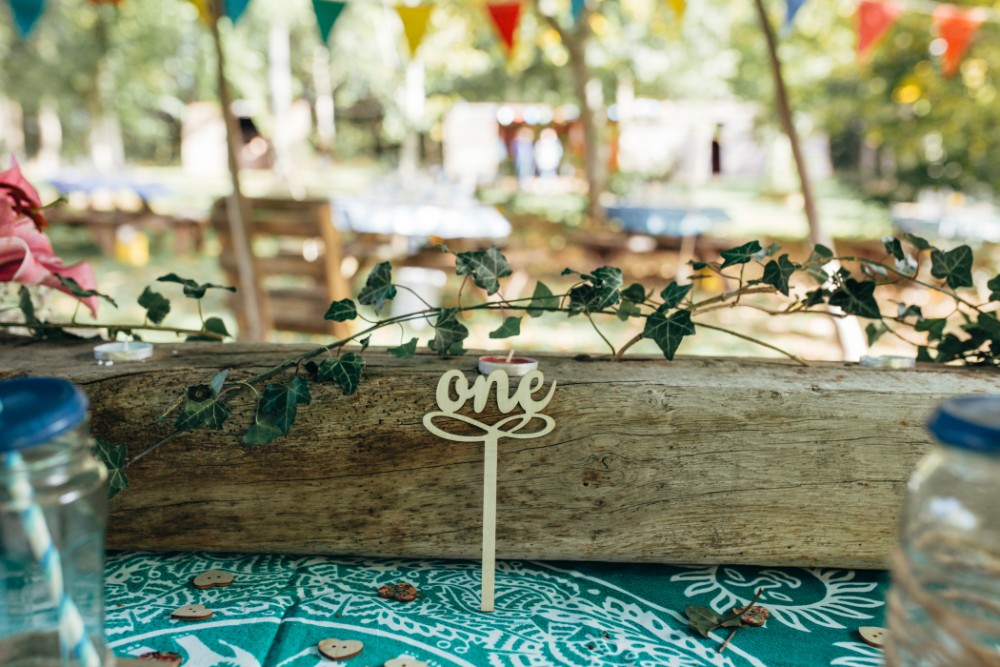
506 16
874 20
956 27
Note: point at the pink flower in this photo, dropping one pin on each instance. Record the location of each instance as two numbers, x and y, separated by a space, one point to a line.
26 255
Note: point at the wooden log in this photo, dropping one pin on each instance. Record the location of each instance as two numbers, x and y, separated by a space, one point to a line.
691 461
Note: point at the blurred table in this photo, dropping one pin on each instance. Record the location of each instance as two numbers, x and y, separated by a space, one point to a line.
547 614
672 221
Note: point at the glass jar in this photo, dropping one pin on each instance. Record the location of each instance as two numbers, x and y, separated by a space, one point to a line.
53 506
944 604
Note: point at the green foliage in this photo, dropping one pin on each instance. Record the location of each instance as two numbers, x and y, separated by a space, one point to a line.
740 255
212 325
511 327
276 410
209 412
599 292
113 458
193 289
954 266
341 311
668 332
345 371
856 298
378 287
673 294
543 300
777 273
448 333
404 351
76 290
157 306
486 267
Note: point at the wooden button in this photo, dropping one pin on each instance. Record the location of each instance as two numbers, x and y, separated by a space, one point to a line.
873 636
405 661
213 579
192 612
340 649
757 616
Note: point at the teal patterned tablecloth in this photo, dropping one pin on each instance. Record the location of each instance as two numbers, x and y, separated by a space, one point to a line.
547 614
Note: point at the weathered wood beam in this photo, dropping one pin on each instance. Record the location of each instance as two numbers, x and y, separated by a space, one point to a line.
698 460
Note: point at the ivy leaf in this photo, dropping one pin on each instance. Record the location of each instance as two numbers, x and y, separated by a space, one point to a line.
485 266
218 380
819 256
924 353
364 343
875 332
740 255
341 311
211 413
262 433
541 300
378 288
904 311
989 324
857 298
673 294
511 327
698 266
345 371
635 293
157 306
769 251
280 403
404 351
77 290
26 305
919 243
934 326
993 284
448 333
193 289
668 332
212 325
949 348
955 266
628 309
602 291
815 297
777 272
113 458
893 247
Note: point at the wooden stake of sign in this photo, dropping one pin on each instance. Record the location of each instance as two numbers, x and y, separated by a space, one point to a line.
508 427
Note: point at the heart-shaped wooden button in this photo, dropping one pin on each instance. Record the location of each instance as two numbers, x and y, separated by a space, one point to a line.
405 661
340 649
873 636
213 579
192 612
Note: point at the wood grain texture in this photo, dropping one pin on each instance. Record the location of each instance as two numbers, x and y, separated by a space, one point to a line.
691 461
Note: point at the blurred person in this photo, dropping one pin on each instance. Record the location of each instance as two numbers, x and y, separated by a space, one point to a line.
548 154
523 149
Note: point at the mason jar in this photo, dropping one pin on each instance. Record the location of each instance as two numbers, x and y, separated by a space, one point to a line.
53 506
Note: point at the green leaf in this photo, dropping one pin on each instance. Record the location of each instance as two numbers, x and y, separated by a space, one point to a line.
378 288
635 293
279 403
341 311
627 309
857 298
26 305
113 458
777 272
404 351
673 294
77 290
989 324
262 433
485 266
212 325
918 242
511 327
875 332
815 297
893 247
954 266
211 413
448 333
157 306
740 255
924 353
542 300
698 266
819 256
769 251
193 289
993 284
904 311
218 380
949 348
602 291
345 371
668 332
364 343
934 326
705 619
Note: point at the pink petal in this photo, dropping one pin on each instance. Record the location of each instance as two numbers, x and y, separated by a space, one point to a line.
13 176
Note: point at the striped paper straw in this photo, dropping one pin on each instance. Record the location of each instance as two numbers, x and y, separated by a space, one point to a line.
72 633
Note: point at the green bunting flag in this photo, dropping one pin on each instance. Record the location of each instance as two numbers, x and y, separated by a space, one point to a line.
576 7
327 12
26 12
235 9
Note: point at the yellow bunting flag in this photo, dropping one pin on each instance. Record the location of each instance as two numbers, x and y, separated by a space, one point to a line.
204 12
678 6
414 24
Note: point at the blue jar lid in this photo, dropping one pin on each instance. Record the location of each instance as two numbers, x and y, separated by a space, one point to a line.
969 422
36 410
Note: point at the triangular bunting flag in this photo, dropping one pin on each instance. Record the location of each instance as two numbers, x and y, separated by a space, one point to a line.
327 13
414 24
26 12
506 16
576 7
874 20
204 12
678 6
235 9
957 27
792 8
